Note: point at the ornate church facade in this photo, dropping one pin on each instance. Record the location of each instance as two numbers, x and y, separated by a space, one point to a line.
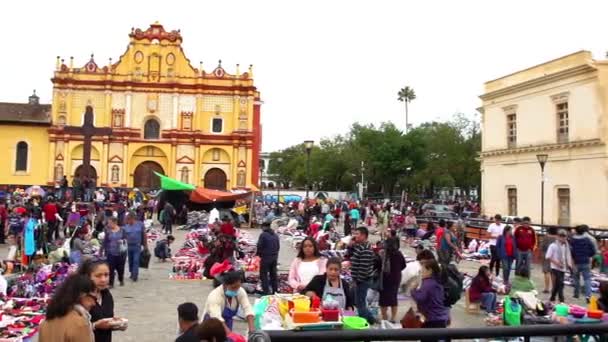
152 111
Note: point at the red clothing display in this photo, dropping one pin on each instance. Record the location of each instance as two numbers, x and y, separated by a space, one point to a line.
227 229
525 238
50 209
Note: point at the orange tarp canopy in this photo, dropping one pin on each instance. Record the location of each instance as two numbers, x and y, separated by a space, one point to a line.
203 195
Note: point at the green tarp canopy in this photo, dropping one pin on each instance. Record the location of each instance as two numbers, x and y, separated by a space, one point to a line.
167 183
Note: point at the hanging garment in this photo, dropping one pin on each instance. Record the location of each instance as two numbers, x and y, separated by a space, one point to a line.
30 243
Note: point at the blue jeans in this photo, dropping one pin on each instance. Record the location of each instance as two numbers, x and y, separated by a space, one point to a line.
585 269
506 268
361 288
523 260
488 301
134 253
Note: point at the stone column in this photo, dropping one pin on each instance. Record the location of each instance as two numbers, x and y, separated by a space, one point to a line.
125 165
52 156
175 111
127 118
172 157
103 178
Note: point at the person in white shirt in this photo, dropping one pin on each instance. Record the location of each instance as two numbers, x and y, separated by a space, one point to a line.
495 229
223 303
561 260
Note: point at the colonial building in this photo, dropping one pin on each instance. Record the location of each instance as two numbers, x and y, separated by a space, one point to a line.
157 113
559 109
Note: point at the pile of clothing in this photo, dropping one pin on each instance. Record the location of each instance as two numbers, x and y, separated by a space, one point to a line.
197 219
21 317
41 283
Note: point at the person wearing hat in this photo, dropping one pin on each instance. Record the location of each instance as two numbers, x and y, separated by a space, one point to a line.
560 258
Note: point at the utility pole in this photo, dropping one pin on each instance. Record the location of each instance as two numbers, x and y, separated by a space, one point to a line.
362 180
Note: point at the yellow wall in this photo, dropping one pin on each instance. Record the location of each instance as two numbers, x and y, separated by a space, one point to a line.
39 161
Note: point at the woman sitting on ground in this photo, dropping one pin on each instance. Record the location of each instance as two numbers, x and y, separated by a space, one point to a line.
331 284
307 265
67 316
481 290
521 282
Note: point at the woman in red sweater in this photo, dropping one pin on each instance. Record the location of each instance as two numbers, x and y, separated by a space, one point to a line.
481 290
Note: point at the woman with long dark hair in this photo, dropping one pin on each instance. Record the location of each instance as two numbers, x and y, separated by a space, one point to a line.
307 265
67 316
331 284
429 296
393 263
481 290
102 312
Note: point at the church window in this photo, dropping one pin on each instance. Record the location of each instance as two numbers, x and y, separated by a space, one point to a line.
151 129
184 174
115 174
217 125
186 121
512 130
562 122
512 200
22 151
58 172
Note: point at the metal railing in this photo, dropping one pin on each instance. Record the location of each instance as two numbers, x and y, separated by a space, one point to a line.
598 331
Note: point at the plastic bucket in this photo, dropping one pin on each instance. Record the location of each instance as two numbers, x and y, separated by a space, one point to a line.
301 304
355 323
562 310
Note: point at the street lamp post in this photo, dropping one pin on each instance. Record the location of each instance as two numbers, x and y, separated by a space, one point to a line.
279 161
542 160
308 146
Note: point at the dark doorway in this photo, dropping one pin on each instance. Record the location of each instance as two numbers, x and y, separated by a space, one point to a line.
144 177
215 179
92 173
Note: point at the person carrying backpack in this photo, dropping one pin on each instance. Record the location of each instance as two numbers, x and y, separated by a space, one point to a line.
429 296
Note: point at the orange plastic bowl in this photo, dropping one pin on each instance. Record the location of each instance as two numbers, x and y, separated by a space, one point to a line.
597 314
306 316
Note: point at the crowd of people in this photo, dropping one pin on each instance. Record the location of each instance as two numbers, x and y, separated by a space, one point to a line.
107 234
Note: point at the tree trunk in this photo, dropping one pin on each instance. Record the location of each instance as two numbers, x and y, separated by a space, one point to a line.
406 118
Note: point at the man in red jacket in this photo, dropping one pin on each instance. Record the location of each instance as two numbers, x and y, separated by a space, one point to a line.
50 211
525 239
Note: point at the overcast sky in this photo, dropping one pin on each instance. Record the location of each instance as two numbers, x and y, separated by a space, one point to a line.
320 65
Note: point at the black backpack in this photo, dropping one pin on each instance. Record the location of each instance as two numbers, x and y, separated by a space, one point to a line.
452 281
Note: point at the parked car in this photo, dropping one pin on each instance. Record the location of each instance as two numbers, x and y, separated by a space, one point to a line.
448 215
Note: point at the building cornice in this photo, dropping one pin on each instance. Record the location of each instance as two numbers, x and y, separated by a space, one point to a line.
543 147
536 82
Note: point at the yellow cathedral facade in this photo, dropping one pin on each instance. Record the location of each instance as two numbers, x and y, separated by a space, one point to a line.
152 111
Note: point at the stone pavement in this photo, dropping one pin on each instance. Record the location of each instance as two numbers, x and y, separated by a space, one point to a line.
151 303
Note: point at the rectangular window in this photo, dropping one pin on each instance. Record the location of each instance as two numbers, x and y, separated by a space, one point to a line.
562 122
512 200
563 199
512 130
216 125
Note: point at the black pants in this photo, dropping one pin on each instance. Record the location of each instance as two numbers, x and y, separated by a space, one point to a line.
168 228
52 230
434 324
495 259
117 263
558 285
2 235
268 276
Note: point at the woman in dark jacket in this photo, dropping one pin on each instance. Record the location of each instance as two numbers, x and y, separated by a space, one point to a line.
393 263
103 310
506 247
481 290
331 284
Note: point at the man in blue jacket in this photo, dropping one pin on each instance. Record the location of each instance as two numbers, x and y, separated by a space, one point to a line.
268 250
583 251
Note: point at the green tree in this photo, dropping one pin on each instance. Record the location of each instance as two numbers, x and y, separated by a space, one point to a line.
406 95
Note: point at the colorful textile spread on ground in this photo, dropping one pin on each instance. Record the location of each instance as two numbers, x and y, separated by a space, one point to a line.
24 307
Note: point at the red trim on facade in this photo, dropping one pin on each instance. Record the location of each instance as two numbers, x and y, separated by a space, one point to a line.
171 87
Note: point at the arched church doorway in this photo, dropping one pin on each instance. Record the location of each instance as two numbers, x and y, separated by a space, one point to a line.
144 177
215 179
80 172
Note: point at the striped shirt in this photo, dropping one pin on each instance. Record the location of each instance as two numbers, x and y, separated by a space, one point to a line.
362 261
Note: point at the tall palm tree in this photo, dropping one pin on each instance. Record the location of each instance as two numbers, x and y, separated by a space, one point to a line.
406 95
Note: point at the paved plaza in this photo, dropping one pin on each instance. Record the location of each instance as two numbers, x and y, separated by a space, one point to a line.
151 304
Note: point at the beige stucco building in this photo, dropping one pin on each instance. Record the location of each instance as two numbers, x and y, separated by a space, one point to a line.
558 108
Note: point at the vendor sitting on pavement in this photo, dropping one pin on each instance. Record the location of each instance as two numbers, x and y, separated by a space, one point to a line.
331 284
162 250
224 301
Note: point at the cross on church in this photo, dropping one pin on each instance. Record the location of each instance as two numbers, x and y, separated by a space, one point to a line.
87 130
